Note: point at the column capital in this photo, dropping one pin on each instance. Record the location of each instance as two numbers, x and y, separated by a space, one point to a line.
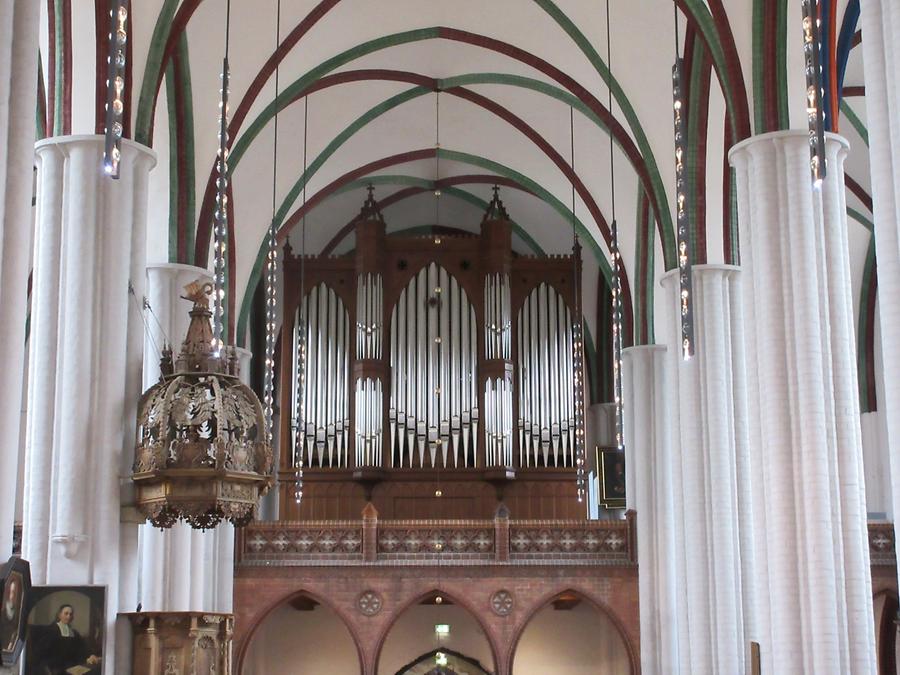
96 140
783 137
671 277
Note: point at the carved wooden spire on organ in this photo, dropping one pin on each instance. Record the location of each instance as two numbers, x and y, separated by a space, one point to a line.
496 374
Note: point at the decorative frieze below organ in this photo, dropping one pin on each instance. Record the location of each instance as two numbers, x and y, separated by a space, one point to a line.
445 352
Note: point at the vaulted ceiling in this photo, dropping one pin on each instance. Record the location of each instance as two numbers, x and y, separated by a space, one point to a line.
359 81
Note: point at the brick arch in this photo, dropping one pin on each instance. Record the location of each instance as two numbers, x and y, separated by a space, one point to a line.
473 612
260 617
596 603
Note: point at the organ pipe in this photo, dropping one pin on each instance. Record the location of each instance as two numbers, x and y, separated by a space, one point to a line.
325 402
546 424
433 410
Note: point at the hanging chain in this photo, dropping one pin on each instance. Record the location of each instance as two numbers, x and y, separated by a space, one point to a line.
271 265
618 331
577 337
220 230
300 422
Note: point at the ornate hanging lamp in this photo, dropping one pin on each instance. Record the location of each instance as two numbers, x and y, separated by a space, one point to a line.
204 449
202 453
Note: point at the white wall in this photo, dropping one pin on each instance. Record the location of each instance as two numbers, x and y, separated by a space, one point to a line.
292 642
579 641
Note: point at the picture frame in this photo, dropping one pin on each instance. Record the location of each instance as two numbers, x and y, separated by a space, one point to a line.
66 630
611 477
15 589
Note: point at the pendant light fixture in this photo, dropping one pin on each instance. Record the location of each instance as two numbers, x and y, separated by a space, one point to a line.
618 331
220 227
577 336
685 285
814 92
115 87
300 388
272 262
203 449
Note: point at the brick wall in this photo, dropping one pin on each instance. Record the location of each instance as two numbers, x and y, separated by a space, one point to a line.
260 589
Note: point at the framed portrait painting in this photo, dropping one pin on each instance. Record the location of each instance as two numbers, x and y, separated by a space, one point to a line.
15 586
611 472
66 630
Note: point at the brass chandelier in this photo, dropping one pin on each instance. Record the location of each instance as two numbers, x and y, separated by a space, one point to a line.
202 453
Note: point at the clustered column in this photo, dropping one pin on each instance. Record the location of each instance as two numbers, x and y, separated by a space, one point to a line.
709 467
85 365
881 51
18 64
645 402
813 579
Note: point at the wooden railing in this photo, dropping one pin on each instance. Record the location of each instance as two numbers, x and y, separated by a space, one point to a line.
499 541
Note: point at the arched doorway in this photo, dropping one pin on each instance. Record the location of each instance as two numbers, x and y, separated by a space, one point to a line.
443 662
436 624
301 636
570 635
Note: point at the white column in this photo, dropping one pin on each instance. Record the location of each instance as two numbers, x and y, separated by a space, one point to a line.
812 545
649 488
18 69
182 569
90 244
881 51
709 455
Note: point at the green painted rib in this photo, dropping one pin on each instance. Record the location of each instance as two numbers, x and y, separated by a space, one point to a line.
855 122
692 163
190 180
40 106
631 117
463 195
294 89
707 26
243 144
862 334
181 147
144 118
175 182
759 82
784 118
145 112
495 167
59 70
861 218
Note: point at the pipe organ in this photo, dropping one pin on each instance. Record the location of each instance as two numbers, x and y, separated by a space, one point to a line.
325 415
438 355
433 412
546 407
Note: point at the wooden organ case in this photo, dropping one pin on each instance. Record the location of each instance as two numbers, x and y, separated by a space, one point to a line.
438 379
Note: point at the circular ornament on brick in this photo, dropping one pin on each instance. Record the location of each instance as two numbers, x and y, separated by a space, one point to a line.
369 603
502 603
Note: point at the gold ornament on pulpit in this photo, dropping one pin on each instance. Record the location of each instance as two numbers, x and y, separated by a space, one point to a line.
202 453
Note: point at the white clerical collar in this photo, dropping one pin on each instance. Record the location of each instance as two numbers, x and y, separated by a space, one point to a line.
64 629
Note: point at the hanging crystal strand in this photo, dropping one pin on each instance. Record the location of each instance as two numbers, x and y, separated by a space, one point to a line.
220 230
618 332
577 341
681 197
271 264
300 424
115 87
